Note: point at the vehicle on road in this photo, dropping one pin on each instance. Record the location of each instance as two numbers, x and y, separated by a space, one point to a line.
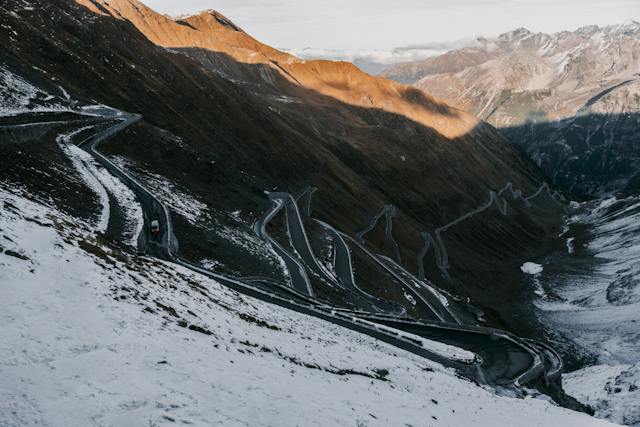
155 226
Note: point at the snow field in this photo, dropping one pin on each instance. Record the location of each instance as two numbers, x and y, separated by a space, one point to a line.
92 336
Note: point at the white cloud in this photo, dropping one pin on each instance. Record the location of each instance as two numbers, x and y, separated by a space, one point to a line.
384 57
375 61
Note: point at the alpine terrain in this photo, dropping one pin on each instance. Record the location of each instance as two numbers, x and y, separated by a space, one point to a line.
197 228
570 99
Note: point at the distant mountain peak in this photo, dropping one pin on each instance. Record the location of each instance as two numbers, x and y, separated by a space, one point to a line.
208 14
190 15
587 29
629 25
185 16
517 33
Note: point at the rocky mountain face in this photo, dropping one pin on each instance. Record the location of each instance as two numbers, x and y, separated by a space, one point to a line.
228 118
207 35
571 99
449 62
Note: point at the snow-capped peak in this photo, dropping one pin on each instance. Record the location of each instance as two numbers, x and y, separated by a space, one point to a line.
221 19
515 34
184 16
630 24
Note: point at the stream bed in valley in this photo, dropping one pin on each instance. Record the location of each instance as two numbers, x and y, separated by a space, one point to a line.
589 294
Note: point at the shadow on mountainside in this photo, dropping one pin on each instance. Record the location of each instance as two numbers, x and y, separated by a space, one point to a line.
588 155
228 131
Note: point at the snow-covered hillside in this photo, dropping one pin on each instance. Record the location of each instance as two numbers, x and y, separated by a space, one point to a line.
612 390
17 96
592 295
95 336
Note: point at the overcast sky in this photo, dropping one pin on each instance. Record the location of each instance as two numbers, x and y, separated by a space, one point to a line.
383 24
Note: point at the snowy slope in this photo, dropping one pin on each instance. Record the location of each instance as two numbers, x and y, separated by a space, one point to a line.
611 390
17 96
92 336
596 301
599 301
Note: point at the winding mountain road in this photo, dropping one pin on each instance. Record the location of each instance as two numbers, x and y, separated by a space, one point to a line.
163 244
297 273
299 239
389 212
343 266
389 266
502 356
507 361
495 199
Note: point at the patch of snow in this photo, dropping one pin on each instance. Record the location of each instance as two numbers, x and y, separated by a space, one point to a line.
18 96
210 264
287 99
127 201
100 110
441 349
443 300
562 65
65 93
87 167
570 247
251 243
531 268
534 270
179 200
612 391
91 339
409 298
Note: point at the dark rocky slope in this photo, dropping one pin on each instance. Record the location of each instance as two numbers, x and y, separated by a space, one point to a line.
227 128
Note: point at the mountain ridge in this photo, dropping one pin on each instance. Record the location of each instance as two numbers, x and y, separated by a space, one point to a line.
341 80
571 99
229 130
